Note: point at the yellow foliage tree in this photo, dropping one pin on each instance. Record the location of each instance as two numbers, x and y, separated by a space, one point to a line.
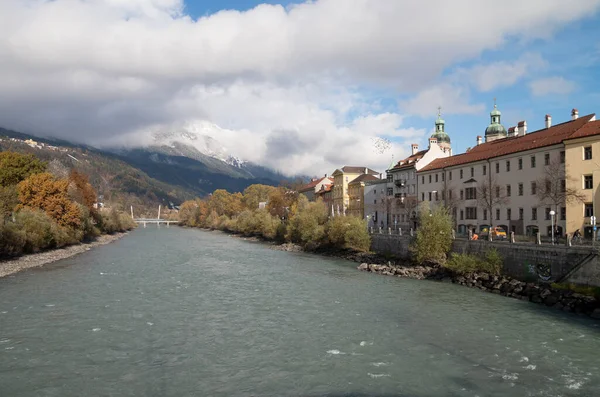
43 191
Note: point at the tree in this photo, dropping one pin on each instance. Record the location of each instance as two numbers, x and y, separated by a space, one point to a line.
489 196
15 167
44 192
434 235
225 203
81 190
280 201
9 198
409 206
307 221
552 187
255 194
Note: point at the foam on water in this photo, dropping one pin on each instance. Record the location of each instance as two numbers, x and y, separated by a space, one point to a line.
531 367
377 375
335 352
513 376
365 343
95 329
379 364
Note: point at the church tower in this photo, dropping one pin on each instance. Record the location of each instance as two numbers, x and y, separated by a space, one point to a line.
443 139
495 130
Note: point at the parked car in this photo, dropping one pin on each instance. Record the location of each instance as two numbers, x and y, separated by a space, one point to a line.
498 233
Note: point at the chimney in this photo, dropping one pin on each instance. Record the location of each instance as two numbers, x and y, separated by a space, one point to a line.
366 170
415 148
574 114
512 131
479 140
522 127
548 121
432 141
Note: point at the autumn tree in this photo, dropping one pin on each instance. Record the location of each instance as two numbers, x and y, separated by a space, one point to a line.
255 194
225 203
81 190
193 213
280 201
552 187
15 167
43 191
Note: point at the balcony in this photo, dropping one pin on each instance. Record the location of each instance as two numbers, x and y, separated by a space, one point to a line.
400 183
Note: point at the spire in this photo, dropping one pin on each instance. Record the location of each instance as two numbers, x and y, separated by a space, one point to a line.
495 130
439 122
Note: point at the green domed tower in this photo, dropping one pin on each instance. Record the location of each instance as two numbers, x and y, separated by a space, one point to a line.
443 139
495 130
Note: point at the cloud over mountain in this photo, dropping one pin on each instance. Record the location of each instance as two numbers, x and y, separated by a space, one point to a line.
293 88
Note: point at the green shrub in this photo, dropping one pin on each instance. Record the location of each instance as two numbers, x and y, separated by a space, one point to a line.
490 263
580 289
434 235
348 232
307 223
37 228
12 240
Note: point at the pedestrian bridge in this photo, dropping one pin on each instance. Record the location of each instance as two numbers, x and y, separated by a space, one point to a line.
158 222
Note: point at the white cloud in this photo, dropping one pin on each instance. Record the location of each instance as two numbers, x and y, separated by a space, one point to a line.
552 85
94 70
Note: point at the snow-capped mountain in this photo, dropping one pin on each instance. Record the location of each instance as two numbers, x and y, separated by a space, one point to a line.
197 135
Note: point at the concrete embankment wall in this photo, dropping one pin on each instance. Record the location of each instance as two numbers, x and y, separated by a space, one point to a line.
527 262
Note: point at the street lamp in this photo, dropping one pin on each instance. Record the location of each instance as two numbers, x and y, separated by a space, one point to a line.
552 213
593 222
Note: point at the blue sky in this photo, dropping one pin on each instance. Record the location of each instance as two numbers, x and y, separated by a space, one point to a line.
303 87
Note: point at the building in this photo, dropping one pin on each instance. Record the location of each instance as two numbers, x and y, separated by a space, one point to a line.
375 194
399 206
314 186
326 194
516 179
582 155
356 194
341 178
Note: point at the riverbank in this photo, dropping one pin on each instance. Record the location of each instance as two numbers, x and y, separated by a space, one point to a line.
12 266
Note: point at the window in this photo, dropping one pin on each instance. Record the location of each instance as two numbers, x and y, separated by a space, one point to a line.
423 179
563 185
533 188
471 193
472 172
562 157
423 196
450 175
429 178
471 212
588 182
485 215
520 214
520 189
588 210
374 191
547 159
484 169
390 191
497 168
461 174
534 214
508 190
443 194
462 215
548 213
563 213
450 194
507 166
346 179
462 195
390 177
497 214
375 201
497 191
532 161
520 164
437 197
430 196
436 178
587 153
443 176
548 187
508 213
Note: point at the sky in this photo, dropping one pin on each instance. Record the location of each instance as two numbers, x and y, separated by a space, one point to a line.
302 87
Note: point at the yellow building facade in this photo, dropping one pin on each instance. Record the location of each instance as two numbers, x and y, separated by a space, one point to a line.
341 179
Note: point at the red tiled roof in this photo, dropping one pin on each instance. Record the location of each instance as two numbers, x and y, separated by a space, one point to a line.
534 140
312 184
325 189
591 128
358 170
364 178
410 160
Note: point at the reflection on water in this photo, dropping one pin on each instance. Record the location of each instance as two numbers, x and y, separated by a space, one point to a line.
175 312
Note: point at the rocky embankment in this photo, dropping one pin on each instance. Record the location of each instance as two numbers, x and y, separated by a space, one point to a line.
561 299
16 265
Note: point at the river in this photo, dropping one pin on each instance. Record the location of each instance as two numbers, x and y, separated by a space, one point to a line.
179 312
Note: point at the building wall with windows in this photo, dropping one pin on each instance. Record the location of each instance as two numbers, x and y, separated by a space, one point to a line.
342 177
583 160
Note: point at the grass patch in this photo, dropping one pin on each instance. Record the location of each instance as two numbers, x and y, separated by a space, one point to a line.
580 289
490 263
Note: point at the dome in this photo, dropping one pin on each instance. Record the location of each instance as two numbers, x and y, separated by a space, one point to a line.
496 129
441 137
495 112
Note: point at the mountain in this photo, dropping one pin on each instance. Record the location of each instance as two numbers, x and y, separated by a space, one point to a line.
178 165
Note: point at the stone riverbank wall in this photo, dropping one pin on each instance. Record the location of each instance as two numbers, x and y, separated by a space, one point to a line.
523 261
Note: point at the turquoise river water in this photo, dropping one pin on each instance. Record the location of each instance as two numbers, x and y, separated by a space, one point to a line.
179 312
